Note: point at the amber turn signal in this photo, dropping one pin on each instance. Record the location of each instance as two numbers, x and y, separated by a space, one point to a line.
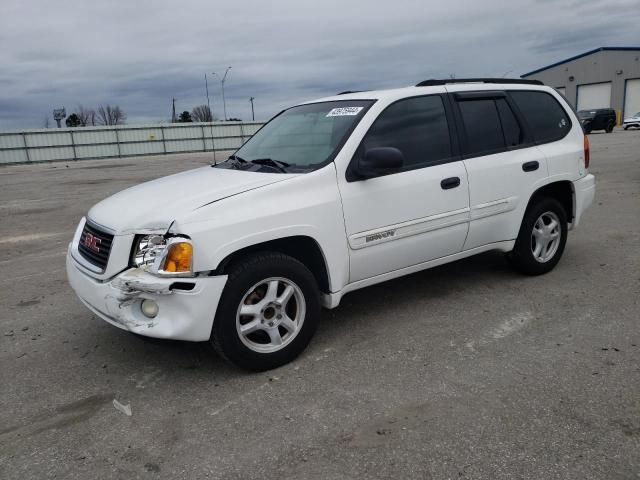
179 258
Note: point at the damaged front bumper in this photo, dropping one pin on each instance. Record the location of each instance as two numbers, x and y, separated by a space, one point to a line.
187 306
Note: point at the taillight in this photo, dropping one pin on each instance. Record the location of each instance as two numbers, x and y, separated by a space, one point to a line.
586 152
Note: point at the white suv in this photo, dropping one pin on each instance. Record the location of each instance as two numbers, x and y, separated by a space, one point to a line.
331 196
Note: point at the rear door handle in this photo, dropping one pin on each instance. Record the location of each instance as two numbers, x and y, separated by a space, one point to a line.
530 166
451 182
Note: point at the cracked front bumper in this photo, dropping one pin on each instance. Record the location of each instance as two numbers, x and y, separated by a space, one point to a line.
183 314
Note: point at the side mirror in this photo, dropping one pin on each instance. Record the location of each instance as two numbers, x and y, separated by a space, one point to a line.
379 161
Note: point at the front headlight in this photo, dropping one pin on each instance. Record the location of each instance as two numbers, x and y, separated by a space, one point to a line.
164 256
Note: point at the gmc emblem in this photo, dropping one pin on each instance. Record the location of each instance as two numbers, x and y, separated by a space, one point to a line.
92 242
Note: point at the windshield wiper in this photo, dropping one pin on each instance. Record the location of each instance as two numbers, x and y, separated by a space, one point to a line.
277 164
237 160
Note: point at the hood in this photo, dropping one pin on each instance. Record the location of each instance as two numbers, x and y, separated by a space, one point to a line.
154 205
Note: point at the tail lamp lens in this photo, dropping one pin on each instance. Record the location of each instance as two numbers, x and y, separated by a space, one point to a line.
586 152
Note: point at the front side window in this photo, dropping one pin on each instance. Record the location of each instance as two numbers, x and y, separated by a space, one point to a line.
301 138
417 127
547 120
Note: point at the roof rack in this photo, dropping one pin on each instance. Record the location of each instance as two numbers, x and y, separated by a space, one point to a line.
435 82
350 91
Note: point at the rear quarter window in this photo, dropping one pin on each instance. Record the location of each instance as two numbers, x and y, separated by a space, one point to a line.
545 117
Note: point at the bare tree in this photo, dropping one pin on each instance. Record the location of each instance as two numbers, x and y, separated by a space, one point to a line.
87 116
201 113
46 122
110 115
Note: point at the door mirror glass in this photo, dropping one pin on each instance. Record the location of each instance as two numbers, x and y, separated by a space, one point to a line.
379 161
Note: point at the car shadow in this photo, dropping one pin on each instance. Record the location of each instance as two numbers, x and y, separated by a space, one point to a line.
197 361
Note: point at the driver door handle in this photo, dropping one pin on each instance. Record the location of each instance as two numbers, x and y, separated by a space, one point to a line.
530 166
451 182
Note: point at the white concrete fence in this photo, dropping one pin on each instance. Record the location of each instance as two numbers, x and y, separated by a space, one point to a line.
82 143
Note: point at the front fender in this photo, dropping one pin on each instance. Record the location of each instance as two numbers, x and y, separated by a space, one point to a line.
308 206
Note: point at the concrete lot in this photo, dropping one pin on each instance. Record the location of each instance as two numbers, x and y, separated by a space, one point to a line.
464 371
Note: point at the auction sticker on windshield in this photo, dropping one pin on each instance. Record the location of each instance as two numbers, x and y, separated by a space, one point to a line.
344 111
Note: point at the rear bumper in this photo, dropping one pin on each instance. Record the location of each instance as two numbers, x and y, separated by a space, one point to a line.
182 315
585 190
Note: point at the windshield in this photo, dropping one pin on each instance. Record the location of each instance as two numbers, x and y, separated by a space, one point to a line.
304 137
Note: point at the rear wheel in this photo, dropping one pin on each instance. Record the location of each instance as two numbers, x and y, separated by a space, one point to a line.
268 312
542 238
610 127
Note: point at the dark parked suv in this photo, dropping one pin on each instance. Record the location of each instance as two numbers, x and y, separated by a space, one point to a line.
598 119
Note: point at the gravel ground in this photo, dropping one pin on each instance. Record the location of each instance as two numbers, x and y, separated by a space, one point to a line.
464 371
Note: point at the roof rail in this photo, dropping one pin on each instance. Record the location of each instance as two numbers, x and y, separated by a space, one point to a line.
434 82
350 91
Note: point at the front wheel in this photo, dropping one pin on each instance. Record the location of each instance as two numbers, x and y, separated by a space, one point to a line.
542 238
268 312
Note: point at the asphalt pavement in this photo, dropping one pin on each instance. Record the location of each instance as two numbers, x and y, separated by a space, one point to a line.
465 371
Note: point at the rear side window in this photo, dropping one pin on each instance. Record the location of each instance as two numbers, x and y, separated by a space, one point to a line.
545 117
417 127
482 126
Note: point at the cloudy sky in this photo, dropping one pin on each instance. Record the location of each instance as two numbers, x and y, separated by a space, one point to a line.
140 54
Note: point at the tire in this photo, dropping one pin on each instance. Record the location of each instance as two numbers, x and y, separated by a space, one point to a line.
610 128
587 129
626 127
523 257
257 284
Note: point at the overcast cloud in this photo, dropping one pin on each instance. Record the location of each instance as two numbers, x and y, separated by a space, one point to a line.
140 54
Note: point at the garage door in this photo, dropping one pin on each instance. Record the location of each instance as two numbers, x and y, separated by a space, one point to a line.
632 97
596 95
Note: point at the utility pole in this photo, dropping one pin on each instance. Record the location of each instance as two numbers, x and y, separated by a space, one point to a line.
173 110
222 80
213 145
206 87
253 114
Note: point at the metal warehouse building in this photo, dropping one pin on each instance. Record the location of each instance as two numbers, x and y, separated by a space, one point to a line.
607 77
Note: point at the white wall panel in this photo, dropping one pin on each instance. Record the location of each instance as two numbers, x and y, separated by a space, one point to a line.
47 139
108 142
96 151
11 141
52 153
13 156
82 136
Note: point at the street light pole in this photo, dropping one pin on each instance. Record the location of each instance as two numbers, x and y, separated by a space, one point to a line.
213 145
222 80
206 87
253 115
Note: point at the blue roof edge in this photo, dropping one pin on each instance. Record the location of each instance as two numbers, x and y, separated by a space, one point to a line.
590 52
